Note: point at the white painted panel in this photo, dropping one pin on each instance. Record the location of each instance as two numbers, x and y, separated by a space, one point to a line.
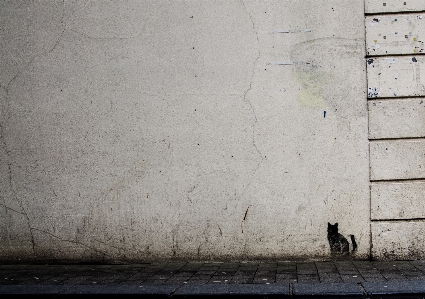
396 76
397 159
377 6
396 118
395 34
398 200
398 240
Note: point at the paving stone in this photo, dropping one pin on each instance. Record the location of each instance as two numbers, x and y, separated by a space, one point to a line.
383 265
286 271
268 279
222 277
214 281
369 272
351 290
328 264
306 268
284 276
418 264
329 278
226 273
364 265
230 265
180 274
160 282
267 266
76 280
19 281
329 271
174 266
395 287
308 278
234 290
202 277
192 266
242 279
32 289
403 265
393 276
174 280
352 278
197 281
54 280
376 277
206 272
286 264
164 290
168 276
246 272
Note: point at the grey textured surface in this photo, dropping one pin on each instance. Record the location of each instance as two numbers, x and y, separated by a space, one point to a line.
121 289
395 287
327 289
233 289
32 289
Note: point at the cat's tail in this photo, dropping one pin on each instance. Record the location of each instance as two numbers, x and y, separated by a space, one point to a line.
353 242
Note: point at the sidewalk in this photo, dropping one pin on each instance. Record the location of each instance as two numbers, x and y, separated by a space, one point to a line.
353 279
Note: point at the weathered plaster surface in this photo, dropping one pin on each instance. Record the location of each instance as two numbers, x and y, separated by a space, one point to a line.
395 34
201 129
385 6
397 159
392 240
403 118
398 200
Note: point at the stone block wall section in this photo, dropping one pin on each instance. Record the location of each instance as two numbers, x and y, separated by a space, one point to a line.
395 36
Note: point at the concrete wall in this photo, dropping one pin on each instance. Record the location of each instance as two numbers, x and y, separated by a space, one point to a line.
138 130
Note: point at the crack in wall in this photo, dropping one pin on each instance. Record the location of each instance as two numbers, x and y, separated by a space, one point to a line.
244 96
4 205
6 88
3 140
13 191
85 35
69 241
108 245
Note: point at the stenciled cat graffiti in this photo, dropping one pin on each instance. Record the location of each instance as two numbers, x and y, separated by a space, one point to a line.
338 243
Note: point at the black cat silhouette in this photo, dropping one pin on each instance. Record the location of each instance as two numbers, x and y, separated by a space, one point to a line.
338 243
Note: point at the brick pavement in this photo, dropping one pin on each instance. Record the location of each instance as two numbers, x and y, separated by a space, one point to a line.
179 273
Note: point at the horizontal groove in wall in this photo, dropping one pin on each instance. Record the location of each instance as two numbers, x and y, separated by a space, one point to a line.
398 180
394 13
399 220
396 98
393 55
397 139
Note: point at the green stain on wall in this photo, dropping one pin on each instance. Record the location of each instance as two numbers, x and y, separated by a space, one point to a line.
312 82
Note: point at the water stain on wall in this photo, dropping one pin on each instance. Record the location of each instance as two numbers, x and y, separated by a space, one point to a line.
312 82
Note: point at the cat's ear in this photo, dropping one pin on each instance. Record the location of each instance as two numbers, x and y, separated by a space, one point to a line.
336 224
329 225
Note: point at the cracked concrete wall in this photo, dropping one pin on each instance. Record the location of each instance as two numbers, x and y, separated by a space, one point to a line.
140 130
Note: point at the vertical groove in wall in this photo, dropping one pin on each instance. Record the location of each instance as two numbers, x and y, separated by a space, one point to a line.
368 148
